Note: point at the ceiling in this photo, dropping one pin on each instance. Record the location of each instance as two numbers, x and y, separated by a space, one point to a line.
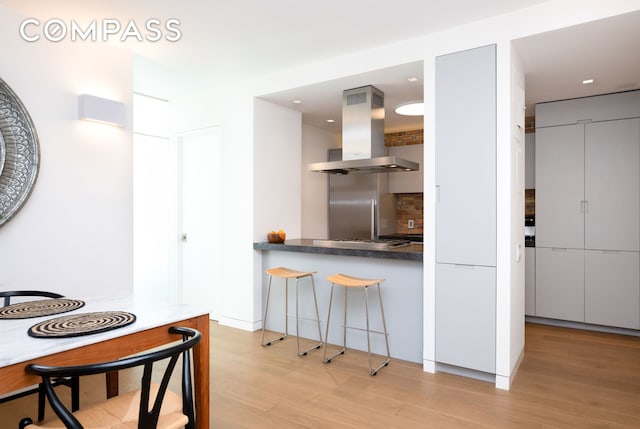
240 39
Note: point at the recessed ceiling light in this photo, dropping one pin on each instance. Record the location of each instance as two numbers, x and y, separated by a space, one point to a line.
415 108
330 121
587 81
297 101
412 79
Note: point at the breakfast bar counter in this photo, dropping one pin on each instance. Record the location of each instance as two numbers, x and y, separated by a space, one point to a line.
412 252
401 268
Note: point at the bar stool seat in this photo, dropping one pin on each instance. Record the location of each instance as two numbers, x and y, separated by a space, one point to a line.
286 274
348 282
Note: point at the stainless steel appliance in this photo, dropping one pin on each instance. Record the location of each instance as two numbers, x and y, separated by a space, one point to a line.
363 244
360 206
363 148
530 231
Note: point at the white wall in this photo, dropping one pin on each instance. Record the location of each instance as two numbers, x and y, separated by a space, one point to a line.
74 234
277 188
315 215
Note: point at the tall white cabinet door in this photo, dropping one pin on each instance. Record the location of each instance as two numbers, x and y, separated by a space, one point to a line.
466 157
465 316
612 185
560 186
612 288
530 281
560 283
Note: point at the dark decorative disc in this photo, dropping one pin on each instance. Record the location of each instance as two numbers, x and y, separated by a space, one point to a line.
81 324
38 308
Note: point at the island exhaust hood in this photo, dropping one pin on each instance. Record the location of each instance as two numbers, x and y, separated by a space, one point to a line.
363 148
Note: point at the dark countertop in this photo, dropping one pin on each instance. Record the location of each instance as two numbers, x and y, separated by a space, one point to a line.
412 252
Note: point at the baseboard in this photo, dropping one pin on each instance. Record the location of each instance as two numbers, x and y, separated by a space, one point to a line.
466 372
583 326
240 324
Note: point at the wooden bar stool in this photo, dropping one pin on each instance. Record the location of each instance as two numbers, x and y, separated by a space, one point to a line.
286 274
355 282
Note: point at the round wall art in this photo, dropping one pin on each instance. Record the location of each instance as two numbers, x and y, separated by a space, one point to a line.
19 153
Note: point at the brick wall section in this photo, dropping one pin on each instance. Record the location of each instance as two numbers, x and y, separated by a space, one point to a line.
409 206
404 138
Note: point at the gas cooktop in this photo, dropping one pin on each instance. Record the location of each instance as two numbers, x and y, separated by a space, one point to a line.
351 243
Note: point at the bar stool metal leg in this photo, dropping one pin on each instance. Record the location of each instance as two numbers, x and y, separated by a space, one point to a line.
266 310
326 335
384 325
315 301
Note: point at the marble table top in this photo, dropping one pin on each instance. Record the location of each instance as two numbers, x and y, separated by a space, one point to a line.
17 346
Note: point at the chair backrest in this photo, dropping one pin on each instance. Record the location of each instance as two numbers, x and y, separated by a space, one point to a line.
35 293
148 417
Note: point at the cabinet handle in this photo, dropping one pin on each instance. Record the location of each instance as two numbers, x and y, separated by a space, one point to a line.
584 207
437 193
558 249
463 267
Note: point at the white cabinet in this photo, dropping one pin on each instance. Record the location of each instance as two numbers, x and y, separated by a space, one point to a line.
530 281
612 185
466 157
409 181
466 202
588 211
612 296
560 283
560 186
465 316
606 107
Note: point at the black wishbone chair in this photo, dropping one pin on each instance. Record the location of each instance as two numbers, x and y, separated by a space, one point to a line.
168 410
72 382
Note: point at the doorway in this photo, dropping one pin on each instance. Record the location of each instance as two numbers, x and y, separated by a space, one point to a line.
199 219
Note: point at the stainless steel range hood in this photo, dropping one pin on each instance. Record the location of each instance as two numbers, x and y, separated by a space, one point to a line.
363 148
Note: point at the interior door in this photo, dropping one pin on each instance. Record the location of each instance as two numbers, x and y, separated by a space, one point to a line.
199 219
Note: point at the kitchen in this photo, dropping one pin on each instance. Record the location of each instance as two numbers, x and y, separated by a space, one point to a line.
319 194
363 223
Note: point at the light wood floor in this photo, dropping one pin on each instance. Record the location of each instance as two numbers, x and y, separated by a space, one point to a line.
568 379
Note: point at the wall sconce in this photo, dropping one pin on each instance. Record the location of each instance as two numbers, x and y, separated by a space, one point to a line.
92 108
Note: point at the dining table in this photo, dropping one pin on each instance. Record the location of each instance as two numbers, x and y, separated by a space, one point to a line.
149 329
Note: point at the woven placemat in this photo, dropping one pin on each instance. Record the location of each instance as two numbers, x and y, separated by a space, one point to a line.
38 308
81 324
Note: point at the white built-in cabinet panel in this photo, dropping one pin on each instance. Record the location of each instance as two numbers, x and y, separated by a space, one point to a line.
612 288
530 161
612 185
560 186
466 157
530 281
465 316
606 107
408 181
560 283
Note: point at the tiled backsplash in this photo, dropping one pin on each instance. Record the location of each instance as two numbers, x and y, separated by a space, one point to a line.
409 207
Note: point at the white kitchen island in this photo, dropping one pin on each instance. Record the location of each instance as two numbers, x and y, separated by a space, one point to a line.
401 294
